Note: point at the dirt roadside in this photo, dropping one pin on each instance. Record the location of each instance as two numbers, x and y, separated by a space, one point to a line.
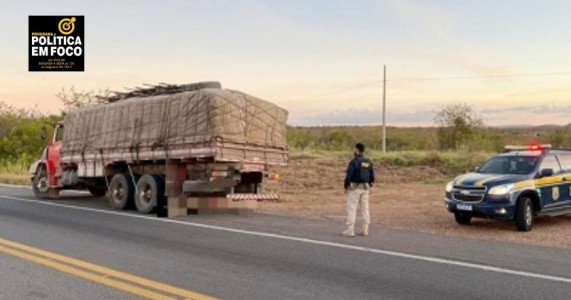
405 198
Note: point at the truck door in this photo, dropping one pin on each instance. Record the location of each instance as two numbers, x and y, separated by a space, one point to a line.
565 161
550 186
54 169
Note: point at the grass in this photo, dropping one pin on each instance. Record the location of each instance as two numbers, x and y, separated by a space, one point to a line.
448 161
19 179
14 172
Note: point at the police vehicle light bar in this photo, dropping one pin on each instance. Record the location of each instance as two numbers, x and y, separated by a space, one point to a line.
532 147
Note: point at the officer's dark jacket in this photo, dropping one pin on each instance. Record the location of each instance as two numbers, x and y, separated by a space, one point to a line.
360 170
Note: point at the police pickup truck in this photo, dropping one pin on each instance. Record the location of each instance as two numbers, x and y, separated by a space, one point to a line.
519 184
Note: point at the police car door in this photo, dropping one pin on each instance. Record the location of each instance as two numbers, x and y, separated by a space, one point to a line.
565 161
550 181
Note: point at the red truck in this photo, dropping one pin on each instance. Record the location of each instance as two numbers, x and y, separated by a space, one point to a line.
156 149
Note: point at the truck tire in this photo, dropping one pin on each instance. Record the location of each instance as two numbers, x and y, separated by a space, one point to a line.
150 189
462 218
40 184
97 191
121 191
524 214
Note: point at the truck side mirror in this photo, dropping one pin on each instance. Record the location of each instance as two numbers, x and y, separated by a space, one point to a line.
44 133
476 169
546 173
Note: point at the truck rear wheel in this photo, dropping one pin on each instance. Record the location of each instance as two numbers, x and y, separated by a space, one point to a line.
121 191
149 189
40 184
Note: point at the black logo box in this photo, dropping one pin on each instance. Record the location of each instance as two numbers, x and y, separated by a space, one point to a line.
50 24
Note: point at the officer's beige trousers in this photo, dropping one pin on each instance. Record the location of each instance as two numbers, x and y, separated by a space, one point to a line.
358 197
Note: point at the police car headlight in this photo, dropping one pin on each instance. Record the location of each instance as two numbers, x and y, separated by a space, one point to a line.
450 186
501 189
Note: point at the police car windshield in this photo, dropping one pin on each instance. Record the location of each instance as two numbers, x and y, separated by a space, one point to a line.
510 165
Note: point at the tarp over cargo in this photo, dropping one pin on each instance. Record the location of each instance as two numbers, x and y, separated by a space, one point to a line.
165 121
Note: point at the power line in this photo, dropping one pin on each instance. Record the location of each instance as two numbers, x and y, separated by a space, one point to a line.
378 82
483 77
338 90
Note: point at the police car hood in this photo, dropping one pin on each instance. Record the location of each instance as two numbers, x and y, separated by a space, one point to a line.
489 180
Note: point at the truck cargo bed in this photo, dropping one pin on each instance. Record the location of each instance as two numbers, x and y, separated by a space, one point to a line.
220 124
227 152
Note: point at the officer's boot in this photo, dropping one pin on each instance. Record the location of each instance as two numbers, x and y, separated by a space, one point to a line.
365 231
350 232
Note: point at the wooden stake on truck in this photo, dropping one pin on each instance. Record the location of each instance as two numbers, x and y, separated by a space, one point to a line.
168 149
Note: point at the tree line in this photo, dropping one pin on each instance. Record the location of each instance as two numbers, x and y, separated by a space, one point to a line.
457 128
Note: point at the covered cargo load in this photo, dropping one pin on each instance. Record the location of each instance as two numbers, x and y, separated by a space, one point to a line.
174 125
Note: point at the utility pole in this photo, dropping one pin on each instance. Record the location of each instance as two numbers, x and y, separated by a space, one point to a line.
385 109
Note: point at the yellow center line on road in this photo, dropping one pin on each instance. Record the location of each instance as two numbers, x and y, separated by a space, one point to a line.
84 274
123 281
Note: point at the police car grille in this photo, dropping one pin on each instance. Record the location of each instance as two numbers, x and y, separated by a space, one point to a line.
471 188
468 198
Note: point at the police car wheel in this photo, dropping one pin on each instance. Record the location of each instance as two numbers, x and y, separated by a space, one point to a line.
462 218
524 215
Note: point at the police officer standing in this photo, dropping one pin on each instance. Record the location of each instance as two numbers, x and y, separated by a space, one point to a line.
358 182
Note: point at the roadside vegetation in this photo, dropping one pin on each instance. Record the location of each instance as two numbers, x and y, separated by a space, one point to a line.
20 141
458 142
448 162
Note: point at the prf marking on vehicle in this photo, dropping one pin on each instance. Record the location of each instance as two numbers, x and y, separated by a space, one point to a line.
483 181
555 193
524 184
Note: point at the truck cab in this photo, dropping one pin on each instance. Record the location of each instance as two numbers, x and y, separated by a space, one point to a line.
47 169
519 184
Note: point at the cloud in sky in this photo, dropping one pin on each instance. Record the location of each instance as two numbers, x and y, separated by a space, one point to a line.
559 110
364 116
534 115
320 59
441 26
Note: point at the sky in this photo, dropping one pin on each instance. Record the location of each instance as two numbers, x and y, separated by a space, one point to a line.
322 60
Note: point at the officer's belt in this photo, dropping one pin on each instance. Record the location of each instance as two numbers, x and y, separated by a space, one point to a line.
360 185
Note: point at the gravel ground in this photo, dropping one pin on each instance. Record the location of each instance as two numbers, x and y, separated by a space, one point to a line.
403 199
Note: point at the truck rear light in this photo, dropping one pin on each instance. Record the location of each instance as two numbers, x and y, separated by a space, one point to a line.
219 174
273 176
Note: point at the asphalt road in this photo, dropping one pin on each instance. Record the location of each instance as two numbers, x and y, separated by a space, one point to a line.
20 279
262 257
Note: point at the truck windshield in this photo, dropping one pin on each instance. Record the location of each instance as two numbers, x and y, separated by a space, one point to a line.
509 165
59 134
